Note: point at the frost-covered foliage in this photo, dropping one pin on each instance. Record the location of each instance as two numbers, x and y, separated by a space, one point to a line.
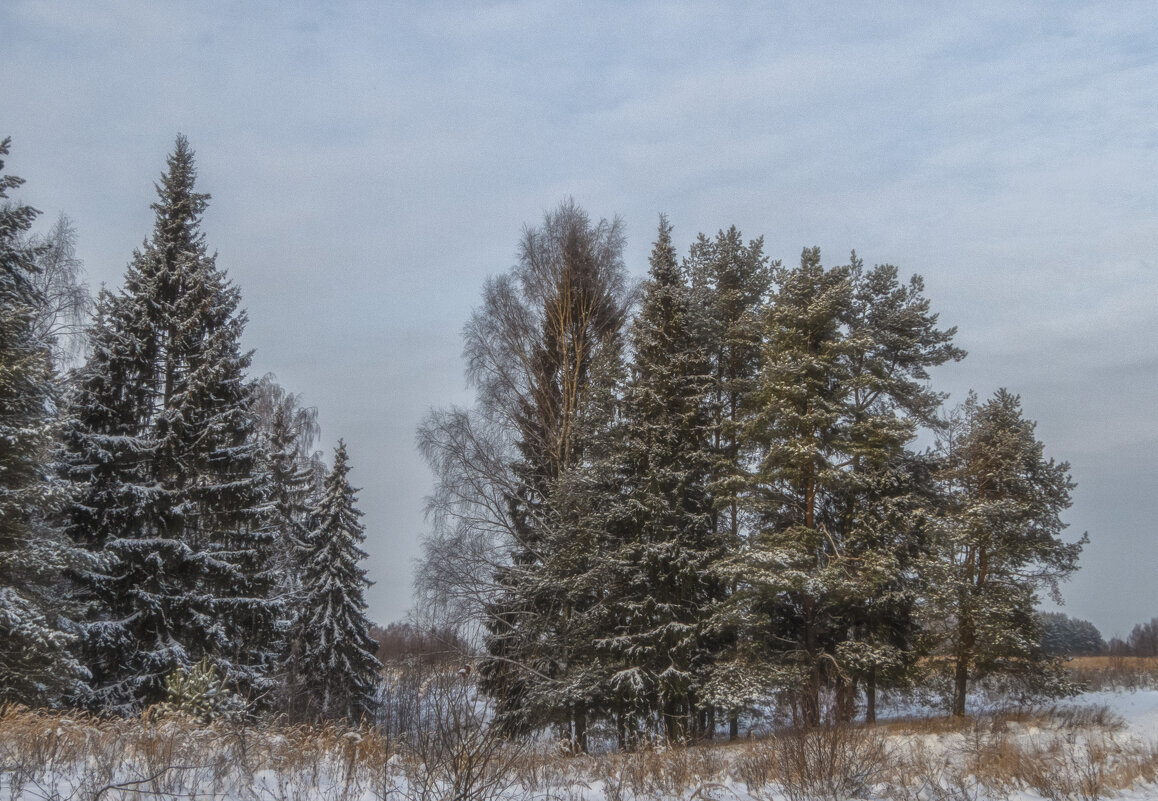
37 665
728 512
999 542
662 546
161 449
825 585
336 670
198 693
531 349
292 474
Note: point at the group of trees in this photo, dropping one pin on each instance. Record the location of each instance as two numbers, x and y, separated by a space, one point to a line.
1062 635
1142 641
674 502
162 513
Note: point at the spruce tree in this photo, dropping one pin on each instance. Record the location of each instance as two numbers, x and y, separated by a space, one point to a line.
730 285
669 547
338 671
37 637
291 474
161 446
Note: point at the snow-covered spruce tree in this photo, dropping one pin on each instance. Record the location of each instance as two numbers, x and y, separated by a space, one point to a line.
1000 542
667 545
160 444
827 579
337 670
577 570
730 285
292 476
37 663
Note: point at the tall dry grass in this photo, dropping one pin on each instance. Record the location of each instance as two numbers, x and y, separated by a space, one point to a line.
1068 753
72 755
1114 672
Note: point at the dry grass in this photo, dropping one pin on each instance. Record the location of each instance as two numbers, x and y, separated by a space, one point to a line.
1062 754
56 755
1114 672
1068 753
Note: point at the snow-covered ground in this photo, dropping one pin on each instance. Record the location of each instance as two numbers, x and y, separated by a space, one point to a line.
1099 744
1139 709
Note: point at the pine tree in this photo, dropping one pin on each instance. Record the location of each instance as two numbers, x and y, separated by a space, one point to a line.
884 519
161 446
37 637
788 566
838 497
1000 542
337 666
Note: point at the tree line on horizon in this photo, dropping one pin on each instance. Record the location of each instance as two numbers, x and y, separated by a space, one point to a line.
673 503
168 535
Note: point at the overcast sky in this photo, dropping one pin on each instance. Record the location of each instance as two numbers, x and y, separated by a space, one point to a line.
372 163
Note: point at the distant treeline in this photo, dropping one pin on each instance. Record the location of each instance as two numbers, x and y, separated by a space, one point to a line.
1062 635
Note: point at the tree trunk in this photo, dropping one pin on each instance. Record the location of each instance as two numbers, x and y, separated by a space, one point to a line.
960 685
965 642
810 693
870 698
580 737
845 700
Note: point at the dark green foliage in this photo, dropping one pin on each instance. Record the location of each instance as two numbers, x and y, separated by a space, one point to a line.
826 582
291 479
160 445
662 559
999 541
1062 635
36 636
337 670
742 516
531 349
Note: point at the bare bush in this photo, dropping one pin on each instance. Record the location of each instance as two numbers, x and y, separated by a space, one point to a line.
831 762
657 773
451 753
